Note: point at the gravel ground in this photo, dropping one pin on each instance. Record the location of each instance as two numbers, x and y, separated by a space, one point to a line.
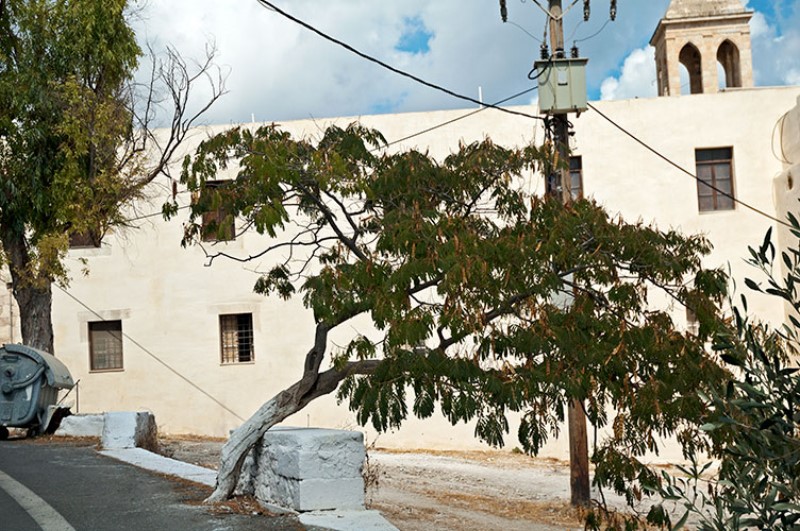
447 491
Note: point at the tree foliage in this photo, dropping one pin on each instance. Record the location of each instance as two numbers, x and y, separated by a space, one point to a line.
752 419
484 298
76 141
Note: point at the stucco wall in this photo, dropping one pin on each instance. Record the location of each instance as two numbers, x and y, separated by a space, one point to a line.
169 301
9 312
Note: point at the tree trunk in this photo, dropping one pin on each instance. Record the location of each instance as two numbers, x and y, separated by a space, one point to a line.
277 409
36 322
34 295
246 436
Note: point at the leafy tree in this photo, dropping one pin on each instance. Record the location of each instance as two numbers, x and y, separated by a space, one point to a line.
76 141
484 298
753 418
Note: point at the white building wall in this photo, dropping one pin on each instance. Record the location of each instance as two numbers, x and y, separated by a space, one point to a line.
169 301
9 312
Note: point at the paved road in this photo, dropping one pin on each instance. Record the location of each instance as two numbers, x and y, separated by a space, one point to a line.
63 487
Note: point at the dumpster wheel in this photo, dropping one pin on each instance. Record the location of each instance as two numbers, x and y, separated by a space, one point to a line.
3 433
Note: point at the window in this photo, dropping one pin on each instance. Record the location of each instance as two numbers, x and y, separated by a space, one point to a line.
714 179
105 346
218 225
236 337
89 239
692 324
576 178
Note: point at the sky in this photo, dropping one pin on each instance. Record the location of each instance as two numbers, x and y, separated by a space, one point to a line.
278 70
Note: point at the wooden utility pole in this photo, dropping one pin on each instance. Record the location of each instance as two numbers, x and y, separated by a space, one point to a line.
552 66
559 186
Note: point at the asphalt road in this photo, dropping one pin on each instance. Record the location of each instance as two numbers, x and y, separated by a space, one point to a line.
64 487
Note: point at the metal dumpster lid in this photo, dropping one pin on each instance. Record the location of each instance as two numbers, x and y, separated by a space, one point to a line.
58 375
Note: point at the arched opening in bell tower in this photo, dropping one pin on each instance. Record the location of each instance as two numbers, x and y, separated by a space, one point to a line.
691 60
729 65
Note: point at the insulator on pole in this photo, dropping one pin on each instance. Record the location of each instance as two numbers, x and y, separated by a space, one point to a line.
503 11
544 52
613 10
587 10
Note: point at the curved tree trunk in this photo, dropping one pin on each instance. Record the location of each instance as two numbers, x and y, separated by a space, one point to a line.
34 296
277 409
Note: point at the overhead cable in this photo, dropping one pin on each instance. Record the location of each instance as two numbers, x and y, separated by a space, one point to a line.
684 170
276 9
156 358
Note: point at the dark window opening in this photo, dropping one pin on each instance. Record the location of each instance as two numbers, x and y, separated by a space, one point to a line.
218 225
728 58
90 239
690 58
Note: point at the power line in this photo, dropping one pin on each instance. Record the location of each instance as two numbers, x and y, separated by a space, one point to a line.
687 172
273 7
595 34
159 360
531 35
462 117
152 215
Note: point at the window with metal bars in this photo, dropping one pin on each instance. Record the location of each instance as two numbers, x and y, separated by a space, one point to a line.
236 338
714 179
105 346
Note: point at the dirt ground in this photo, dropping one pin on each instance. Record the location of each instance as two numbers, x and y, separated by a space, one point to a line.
447 491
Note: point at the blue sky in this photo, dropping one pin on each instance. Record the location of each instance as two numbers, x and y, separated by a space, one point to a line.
279 71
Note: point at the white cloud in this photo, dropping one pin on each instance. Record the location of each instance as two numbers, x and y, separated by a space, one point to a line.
776 47
637 79
759 27
280 71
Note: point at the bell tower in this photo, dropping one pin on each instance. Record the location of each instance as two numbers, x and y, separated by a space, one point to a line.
711 39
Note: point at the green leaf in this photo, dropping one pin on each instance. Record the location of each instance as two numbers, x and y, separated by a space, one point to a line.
752 285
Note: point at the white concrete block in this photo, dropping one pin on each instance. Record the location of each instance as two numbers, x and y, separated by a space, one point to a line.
81 426
307 469
317 494
129 430
306 453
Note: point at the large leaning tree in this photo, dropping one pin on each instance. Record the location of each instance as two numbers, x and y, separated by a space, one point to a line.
485 299
76 136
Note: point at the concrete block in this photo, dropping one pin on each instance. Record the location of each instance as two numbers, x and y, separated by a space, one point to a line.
317 494
306 453
129 430
307 469
81 426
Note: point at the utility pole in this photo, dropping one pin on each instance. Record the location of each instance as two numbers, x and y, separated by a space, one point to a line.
562 90
559 186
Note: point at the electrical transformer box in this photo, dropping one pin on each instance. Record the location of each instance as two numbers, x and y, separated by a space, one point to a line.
562 85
